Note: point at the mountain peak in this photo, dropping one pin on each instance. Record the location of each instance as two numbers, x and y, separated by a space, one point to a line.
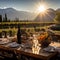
58 10
50 9
10 9
47 17
13 13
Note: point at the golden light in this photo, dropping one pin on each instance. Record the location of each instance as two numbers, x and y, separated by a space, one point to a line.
42 8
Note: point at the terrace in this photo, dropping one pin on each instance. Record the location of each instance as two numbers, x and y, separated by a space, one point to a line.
30 48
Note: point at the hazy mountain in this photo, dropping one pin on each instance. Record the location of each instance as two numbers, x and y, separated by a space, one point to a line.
48 16
12 14
58 10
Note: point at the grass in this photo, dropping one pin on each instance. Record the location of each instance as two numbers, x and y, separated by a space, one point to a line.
14 30
24 22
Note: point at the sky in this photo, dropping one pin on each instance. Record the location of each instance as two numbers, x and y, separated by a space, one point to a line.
29 5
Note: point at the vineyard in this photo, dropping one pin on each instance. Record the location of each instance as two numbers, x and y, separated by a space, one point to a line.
29 26
13 25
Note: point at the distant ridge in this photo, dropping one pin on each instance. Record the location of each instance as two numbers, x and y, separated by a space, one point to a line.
24 15
48 16
13 13
58 10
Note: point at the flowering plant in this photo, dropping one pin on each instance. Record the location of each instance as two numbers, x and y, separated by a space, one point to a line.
44 39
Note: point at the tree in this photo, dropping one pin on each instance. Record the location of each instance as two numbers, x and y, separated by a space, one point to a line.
9 20
0 18
57 18
16 19
5 17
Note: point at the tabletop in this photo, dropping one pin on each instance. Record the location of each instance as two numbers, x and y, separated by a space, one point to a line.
21 49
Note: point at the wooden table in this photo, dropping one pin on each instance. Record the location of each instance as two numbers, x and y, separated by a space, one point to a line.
41 55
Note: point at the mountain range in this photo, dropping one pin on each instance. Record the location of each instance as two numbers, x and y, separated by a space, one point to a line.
12 14
47 16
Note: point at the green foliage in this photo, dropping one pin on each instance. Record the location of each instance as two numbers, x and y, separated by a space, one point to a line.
0 18
5 18
57 18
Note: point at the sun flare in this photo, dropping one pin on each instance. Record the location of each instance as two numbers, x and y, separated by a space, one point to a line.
41 8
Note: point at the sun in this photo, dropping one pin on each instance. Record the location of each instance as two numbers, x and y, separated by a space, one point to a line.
42 8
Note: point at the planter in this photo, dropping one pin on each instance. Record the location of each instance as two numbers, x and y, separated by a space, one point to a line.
44 40
44 44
